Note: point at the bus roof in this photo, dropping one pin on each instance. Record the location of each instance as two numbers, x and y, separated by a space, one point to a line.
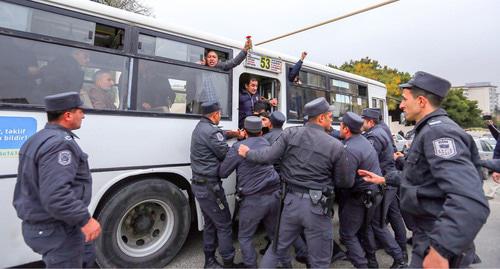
130 18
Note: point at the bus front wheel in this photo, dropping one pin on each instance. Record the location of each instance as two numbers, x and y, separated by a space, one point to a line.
143 224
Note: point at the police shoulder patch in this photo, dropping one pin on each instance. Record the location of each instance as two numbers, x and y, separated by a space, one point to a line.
220 137
64 157
444 148
68 137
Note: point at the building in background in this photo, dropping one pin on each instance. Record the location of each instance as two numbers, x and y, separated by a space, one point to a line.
484 93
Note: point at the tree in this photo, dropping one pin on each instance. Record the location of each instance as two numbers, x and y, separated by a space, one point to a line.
391 77
135 6
463 111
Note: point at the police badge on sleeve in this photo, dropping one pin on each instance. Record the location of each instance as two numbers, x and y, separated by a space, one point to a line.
444 148
64 157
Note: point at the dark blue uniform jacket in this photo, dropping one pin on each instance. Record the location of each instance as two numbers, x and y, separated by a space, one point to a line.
382 143
310 158
361 155
208 149
252 177
54 182
441 186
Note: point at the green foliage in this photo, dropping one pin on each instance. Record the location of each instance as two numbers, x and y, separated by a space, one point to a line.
464 112
391 77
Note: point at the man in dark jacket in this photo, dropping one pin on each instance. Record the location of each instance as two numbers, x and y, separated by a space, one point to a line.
54 188
249 96
208 150
257 188
293 75
441 187
313 164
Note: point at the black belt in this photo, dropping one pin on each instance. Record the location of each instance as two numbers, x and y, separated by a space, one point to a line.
203 181
299 191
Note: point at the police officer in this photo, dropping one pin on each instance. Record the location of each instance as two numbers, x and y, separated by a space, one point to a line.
276 128
359 202
257 188
277 120
382 143
208 149
54 188
441 187
312 163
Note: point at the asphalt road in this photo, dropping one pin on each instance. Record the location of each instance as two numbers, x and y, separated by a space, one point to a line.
191 255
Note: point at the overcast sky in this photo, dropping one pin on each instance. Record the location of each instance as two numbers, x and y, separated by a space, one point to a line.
456 39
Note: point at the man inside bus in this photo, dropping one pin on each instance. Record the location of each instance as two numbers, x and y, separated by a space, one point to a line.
211 58
293 75
54 189
65 73
154 90
249 97
101 94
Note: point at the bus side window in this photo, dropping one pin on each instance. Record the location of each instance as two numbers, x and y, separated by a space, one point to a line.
31 70
169 88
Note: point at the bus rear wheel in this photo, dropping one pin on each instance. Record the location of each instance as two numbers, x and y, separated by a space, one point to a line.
143 224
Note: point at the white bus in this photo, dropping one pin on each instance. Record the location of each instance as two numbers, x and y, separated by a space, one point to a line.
139 142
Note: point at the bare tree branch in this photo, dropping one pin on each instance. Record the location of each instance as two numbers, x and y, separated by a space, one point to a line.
135 6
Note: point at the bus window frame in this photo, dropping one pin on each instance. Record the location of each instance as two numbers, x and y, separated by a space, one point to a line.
136 55
127 34
289 84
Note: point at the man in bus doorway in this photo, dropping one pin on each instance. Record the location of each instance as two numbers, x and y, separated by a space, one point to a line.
208 150
54 188
249 96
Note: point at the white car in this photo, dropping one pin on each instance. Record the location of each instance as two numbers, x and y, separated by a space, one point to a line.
484 147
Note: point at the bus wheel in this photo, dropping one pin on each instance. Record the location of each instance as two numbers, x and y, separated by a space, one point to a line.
143 225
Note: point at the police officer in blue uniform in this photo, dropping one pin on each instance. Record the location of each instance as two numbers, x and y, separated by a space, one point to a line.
208 150
441 186
54 188
382 143
360 201
277 120
312 164
257 190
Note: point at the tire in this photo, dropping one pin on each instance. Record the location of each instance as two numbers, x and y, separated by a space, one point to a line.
144 224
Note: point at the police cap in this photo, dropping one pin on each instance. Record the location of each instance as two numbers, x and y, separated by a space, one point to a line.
371 113
429 83
209 107
353 121
316 107
63 101
253 124
277 118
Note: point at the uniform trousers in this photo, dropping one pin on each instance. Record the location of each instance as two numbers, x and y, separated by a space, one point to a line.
217 231
61 245
300 214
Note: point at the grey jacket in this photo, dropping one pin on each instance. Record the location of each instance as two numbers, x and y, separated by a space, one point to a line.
382 143
208 149
310 158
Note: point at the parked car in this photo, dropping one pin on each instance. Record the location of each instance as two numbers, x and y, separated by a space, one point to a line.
484 147
399 141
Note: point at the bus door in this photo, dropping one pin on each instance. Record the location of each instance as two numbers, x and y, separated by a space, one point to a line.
268 88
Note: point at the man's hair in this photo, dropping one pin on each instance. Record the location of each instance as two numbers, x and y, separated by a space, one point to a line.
259 106
250 79
354 131
434 100
311 119
208 115
98 74
55 115
376 121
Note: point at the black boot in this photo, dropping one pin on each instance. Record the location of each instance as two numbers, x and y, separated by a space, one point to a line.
399 264
372 261
230 264
405 256
211 261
